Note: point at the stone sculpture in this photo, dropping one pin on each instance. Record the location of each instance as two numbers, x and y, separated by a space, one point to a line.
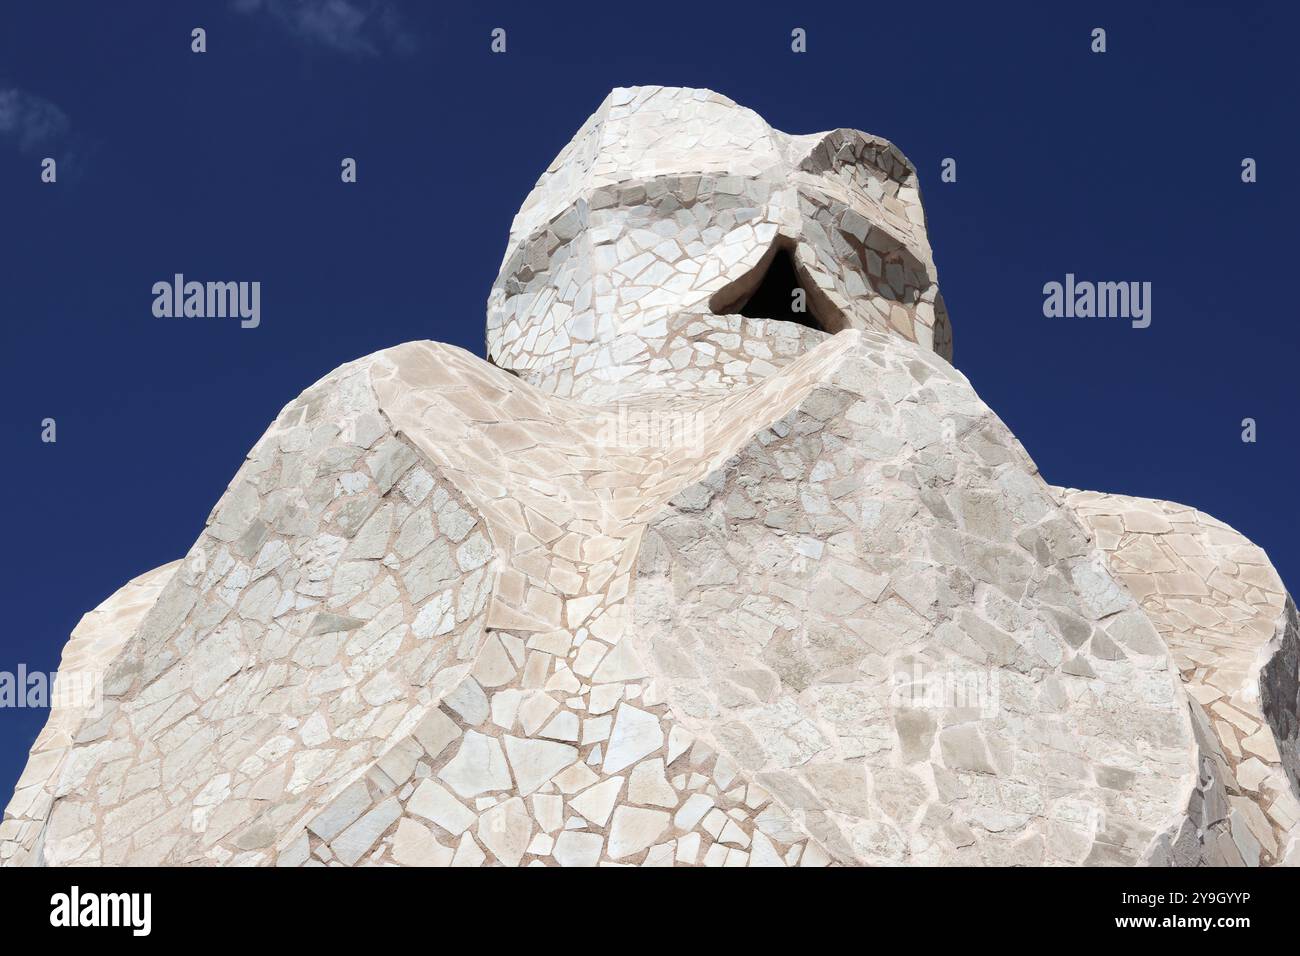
717 560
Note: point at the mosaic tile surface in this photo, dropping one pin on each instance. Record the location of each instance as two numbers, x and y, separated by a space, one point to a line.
676 580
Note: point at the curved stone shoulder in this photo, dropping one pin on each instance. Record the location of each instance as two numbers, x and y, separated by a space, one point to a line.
1225 615
338 580
77 695
878 609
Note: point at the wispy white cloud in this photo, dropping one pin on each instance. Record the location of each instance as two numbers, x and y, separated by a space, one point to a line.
352 27
30 121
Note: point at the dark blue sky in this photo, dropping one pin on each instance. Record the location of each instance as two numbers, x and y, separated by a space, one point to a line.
1122 166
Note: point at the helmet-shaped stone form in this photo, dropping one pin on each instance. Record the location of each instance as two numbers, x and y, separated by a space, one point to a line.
678 241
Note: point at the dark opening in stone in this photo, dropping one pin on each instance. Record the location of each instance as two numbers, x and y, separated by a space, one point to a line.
775 297
768 291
